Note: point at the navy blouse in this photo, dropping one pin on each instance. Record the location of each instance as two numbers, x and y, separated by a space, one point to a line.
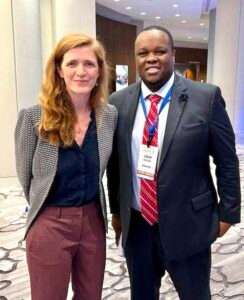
76 181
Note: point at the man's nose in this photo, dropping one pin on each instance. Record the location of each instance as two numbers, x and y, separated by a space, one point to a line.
151 57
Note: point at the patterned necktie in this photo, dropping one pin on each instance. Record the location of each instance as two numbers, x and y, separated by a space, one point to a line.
148 192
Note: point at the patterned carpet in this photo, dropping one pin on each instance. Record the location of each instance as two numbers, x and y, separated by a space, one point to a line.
227 276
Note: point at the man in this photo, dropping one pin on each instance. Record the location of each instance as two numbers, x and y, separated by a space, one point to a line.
161 191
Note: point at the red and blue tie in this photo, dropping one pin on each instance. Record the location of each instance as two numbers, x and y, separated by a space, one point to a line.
148 192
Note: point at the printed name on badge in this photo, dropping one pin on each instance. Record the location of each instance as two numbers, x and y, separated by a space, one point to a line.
147 162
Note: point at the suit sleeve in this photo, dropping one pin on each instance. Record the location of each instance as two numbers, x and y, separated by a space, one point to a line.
222 148
113 174
25 143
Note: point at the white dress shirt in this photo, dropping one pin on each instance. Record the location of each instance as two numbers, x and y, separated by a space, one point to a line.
137 132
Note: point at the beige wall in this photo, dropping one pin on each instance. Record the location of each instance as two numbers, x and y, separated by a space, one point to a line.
28 49
47 34
239 112
226 51
74 16
60 17
8 101
29 31
20 67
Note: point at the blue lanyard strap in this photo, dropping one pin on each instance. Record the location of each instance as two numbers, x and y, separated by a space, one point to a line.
152 129
165 101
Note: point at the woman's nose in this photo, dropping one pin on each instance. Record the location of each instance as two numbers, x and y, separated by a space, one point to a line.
80 69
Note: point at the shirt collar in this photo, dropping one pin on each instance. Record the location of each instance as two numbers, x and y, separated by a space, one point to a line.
162 92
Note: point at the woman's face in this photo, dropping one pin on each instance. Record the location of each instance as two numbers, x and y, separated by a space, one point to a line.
80 71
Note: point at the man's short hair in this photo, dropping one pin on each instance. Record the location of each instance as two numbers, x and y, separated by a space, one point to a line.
162 29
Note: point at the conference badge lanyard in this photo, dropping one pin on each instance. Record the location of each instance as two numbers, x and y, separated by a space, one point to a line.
148 154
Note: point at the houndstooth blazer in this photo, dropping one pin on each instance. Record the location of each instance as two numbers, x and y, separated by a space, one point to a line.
36 159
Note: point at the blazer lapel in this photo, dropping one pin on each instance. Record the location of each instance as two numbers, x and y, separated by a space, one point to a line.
98 116
176 109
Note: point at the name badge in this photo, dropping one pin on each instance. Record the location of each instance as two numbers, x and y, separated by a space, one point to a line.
147 162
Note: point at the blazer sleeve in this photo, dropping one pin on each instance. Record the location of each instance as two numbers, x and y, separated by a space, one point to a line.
222 148
25 144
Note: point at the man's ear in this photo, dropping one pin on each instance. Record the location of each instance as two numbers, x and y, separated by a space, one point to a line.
174 55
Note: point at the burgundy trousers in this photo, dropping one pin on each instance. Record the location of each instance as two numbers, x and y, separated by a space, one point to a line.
67 244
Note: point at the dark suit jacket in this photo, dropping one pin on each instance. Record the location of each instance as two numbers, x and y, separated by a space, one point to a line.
197 127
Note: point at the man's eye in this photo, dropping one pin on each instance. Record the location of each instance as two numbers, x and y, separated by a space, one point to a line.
160 52
142 54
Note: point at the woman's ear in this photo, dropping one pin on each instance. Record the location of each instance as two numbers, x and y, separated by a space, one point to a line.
60 72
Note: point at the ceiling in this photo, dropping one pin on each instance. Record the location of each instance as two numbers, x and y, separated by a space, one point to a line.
188 20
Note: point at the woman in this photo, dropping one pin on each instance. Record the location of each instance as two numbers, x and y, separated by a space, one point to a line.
62 149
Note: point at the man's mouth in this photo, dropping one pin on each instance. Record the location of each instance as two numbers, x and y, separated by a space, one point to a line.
152 70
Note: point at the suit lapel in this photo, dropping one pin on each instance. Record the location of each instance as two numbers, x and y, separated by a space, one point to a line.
132 103
176 109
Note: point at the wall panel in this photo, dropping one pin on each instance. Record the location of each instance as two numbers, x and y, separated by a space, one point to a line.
118 39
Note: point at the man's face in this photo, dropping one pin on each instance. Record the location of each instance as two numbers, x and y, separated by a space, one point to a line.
154 58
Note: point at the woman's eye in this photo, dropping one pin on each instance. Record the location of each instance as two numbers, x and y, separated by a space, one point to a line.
89 64
72 64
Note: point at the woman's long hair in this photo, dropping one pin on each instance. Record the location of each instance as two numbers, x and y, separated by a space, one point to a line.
58 117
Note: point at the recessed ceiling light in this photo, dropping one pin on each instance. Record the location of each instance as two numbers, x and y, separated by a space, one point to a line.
143 13
128 7
202 24
183 21
205 39
177 15
175 5
189 37
157 17
116 0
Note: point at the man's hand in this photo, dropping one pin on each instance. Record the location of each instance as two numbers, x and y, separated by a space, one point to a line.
116 224
223 228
